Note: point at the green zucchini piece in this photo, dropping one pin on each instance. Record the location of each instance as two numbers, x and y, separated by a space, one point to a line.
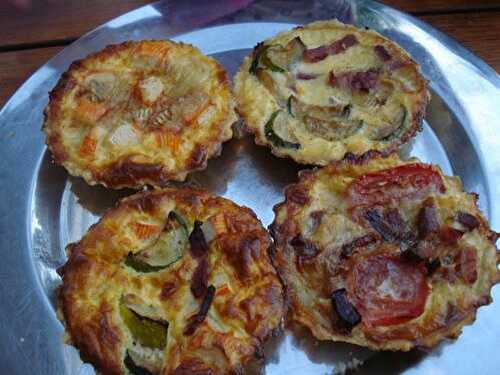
268 63
173 215
145 331
262 59
266 79
328 122
346 111
259 50
398 131
168 248
284 57
274 138
277 58
140 266
333 129
290 105
133 368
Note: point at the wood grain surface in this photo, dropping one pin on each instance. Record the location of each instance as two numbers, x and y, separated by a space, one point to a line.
442 6
478 31
17 66
57 21
28 38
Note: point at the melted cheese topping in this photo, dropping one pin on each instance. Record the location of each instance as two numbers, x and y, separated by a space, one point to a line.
158 106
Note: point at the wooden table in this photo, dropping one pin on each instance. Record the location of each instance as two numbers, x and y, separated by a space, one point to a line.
28 38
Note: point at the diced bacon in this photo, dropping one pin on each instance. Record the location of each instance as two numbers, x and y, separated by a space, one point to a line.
382 53
390 63
345 316
199 278
197 241
197 319
360 242
470 222
320 53
306 76
316 54
304 248
341 45
356 81
427 219
449 235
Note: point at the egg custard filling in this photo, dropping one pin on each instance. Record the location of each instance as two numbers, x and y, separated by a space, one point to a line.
326 89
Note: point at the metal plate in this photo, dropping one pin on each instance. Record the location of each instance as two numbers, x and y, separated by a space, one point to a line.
43 209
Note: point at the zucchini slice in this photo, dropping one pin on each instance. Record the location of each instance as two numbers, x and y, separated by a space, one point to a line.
262 59
394 129
147 332
290 105
401 126
274 138
259 51
277 58
284 57
328 122
168 248
332 129
268 63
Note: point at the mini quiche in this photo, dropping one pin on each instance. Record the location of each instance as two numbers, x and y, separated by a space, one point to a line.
383 253
172 281
326 89
139 113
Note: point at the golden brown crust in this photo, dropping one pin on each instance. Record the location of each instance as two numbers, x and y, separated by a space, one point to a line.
327 234
172 110
309 138
248 301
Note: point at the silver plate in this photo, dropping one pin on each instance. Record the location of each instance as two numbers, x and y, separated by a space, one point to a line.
43 209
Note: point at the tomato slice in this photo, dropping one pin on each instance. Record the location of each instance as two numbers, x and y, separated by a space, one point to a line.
388 290
394 184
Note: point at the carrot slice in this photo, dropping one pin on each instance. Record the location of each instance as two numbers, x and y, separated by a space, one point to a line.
90 111
222 290
88 146
143 231
169 140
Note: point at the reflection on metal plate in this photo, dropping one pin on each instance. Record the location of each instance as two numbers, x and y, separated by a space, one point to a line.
45 209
